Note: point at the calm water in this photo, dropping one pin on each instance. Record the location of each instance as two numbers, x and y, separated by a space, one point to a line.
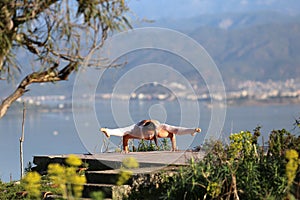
56 132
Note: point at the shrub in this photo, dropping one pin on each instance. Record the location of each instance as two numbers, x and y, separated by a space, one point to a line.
144 145
125 171
10 190
66 179
60 180
32 184
243 169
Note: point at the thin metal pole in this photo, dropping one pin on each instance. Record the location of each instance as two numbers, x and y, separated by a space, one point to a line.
22 140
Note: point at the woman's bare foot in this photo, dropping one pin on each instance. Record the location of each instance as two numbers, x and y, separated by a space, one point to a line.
105 132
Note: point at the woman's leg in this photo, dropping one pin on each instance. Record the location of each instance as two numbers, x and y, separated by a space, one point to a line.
120 132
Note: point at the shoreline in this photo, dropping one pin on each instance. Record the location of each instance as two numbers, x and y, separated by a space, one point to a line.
67 106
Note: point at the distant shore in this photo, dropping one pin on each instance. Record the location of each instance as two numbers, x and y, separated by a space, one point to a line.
62 106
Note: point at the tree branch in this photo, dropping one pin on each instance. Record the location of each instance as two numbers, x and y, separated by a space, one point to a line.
49 75
52 30
31 10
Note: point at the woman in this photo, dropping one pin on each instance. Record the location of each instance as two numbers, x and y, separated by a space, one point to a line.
149 130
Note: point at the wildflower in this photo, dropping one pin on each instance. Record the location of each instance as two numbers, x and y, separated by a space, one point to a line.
292 165
56 169
240 144
66 178
291 154
78 185
32 184
57 176
74 161
213 189
130 162
125 174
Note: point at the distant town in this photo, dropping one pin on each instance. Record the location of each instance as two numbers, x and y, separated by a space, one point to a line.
247 93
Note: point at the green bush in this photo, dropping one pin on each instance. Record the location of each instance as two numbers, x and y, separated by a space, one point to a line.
242 169
146 145
64 181
10 190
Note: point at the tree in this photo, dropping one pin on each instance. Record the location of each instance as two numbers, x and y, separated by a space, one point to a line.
53 33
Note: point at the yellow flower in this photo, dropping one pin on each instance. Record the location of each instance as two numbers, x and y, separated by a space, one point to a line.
292 165
66 178
78 185
56 168
125 174
74 161
213 189
291 154
130 162
57 176
32 184
240 145
70 173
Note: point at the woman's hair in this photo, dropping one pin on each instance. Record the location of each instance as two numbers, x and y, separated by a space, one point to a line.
148 125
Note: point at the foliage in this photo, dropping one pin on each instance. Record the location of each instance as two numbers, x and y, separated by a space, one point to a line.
144 145
66 181
32 184
97 195
10 190
292 165
242 169
52 31
152 186
66 178
297 122
55 37
125 171
28 168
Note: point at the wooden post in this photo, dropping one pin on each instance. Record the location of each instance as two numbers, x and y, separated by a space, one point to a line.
21 141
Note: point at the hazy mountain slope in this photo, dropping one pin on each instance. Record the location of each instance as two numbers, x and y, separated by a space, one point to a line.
245 46
178 9
259 52
251 49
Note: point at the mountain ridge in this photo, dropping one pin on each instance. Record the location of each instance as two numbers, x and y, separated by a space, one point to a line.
249 49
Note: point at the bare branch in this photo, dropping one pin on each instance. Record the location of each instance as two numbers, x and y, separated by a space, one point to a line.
49 75
54 31
31 10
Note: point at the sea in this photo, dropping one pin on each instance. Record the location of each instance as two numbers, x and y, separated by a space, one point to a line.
75 130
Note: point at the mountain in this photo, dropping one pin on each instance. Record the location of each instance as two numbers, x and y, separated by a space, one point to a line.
259 52
251 45
226 20
177 9
245 46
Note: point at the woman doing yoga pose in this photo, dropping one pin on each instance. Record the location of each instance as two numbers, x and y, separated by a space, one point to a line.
149 130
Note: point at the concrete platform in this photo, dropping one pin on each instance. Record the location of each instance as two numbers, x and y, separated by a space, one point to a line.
103 168
105 161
